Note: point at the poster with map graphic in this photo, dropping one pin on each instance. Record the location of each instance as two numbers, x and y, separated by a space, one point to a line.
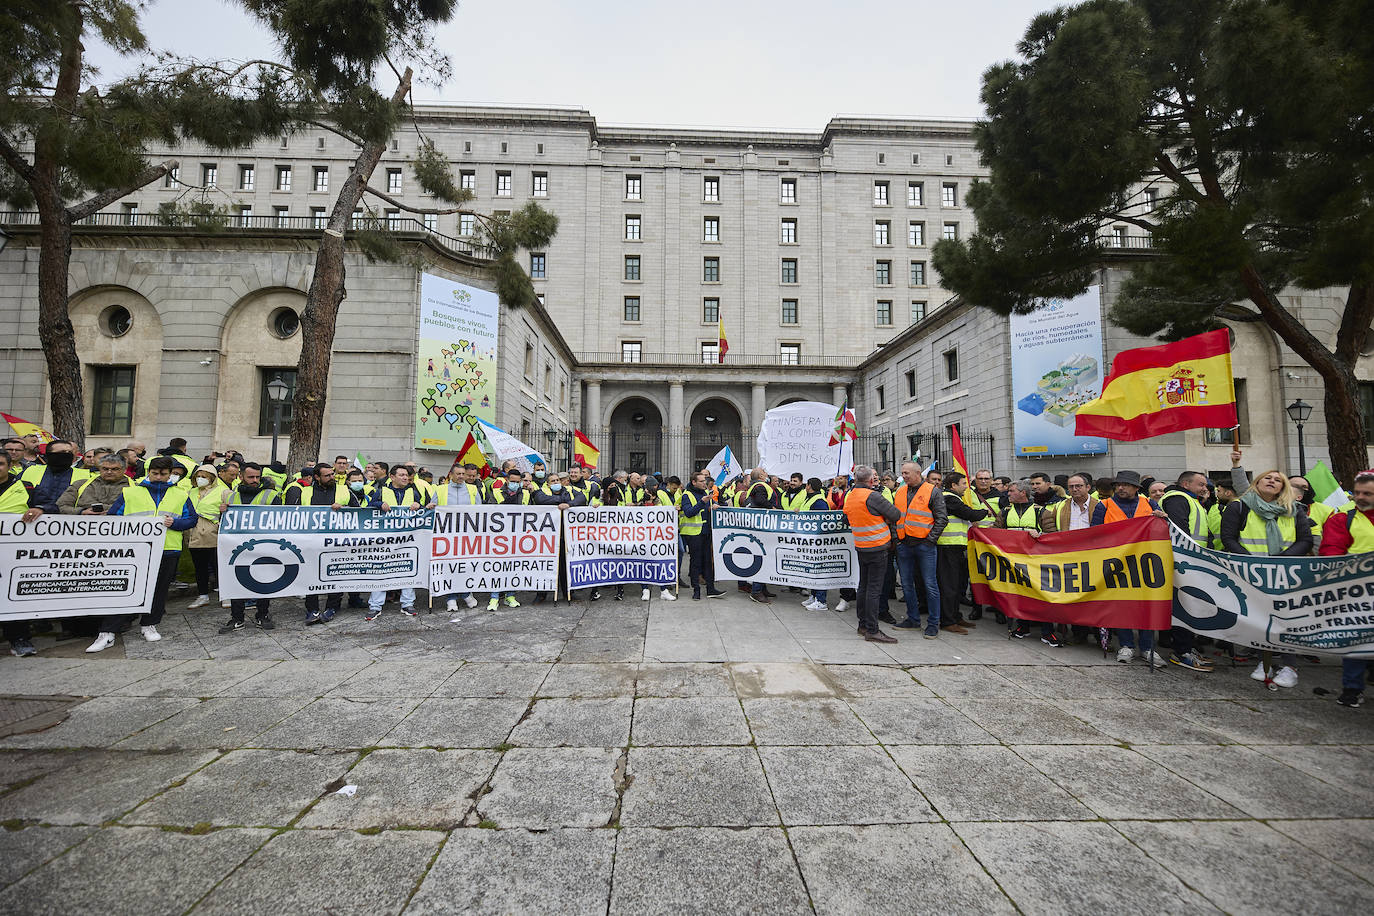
1056 356
456 362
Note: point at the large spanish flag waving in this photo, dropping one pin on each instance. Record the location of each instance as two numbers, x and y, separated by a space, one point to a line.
584 453
1156 390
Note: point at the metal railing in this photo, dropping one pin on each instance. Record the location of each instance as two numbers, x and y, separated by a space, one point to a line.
732 359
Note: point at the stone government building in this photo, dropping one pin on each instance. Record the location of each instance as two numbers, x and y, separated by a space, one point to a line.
812 248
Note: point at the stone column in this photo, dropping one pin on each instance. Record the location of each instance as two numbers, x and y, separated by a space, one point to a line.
592 417
756 411
676 452
838 394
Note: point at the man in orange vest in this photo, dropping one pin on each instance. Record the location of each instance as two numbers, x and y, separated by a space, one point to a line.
1126 502
870 519
923 520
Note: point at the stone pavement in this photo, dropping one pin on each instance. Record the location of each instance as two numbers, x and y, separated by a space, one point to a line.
644 757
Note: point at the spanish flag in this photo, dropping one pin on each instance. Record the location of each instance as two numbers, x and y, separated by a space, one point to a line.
584 453
1156 390
724 344
25 428
471 453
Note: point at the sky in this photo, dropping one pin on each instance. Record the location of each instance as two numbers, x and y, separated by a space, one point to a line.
713 63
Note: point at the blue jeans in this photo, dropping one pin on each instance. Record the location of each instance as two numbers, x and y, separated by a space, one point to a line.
1127 639
1352 673
819 595
913 555
376 599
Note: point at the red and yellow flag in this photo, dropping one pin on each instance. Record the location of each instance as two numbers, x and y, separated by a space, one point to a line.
584 453
471 453
724 344
1117 575
957 451
25 428
1156 390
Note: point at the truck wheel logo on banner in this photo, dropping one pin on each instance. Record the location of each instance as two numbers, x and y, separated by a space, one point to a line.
1217 606
254 558
744 558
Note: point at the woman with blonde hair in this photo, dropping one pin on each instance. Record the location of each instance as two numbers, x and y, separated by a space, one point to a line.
1268 520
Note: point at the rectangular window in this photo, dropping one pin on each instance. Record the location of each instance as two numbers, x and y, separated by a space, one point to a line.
881 393
538 265
633 185
789 311
1118 239
951 358
529 361
503 184
631 308
789 270
710 270
112 400
710 229
393 218
247 177
710 190
431 222
949 194
632 228
710 352
918 273
915 234
245 215
789 190
209 175
789 232
283 178
915 193
131 214
1241 436
539 184
882 232
884 313
789 354
882 273
950 232
910 377
170 179
321 182
283 216
1151 197
467 224
317 218
265 375
918 310
710 311
631 351
393 181
632 267
880 193
467 180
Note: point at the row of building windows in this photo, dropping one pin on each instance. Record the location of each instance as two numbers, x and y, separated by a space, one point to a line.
787 233
882 270
790 314
632 351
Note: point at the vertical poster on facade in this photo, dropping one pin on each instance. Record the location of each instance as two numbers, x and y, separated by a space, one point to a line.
455 362
1056 367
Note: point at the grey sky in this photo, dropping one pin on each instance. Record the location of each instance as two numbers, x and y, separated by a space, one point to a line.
720 63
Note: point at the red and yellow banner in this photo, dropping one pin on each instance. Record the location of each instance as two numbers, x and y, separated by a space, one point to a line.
1156 390
1117 575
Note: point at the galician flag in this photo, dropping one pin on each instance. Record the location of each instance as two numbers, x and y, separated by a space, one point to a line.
1325 488
502 446
724 467
1156 390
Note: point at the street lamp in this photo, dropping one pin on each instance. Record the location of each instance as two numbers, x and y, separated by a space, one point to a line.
276 395
1298 412
550 434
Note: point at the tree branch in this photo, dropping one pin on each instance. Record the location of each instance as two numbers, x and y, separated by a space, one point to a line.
98 202
411 208
1359 312
1181 181
15 160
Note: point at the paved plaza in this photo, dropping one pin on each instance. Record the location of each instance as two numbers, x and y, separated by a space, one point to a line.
644 757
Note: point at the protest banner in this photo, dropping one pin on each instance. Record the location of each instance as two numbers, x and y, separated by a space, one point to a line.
68 565
616 545
813 550
1117 575
489 549
795 439
275 551
1307 605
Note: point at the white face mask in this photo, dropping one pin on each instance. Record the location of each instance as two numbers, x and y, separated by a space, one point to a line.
202 482
174 479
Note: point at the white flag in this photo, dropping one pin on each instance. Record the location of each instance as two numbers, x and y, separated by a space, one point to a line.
504 446
724 467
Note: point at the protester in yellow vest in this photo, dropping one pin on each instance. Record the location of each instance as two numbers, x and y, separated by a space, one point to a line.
952 552
794 497
1352 531
694 524
207 498
156 495
14 500
1182 502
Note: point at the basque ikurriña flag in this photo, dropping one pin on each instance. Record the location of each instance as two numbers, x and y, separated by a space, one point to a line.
1156 390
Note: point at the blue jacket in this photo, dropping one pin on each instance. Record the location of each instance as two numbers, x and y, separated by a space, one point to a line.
185 522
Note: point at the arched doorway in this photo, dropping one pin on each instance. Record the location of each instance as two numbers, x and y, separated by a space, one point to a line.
636 437
715 423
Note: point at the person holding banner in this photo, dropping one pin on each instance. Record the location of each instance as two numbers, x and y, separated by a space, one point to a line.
1182 502
590 489
1352 531
14 500
1021 514
654 496
155 495
397 491
1267 520
1126 502
694 525
871 519
251 492
556 492
326 488
817 501
512 491
952 552
760 495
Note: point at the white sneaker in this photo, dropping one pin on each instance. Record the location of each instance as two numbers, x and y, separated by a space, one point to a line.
644 595
666 595
1153 658
814 605
151 634
201 601
451 605
226 604
1259 674
1126 654
102 642
842 606
470 601
1287 676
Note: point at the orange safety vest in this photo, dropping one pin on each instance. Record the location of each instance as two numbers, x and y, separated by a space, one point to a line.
869 530
917 519
1114 513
